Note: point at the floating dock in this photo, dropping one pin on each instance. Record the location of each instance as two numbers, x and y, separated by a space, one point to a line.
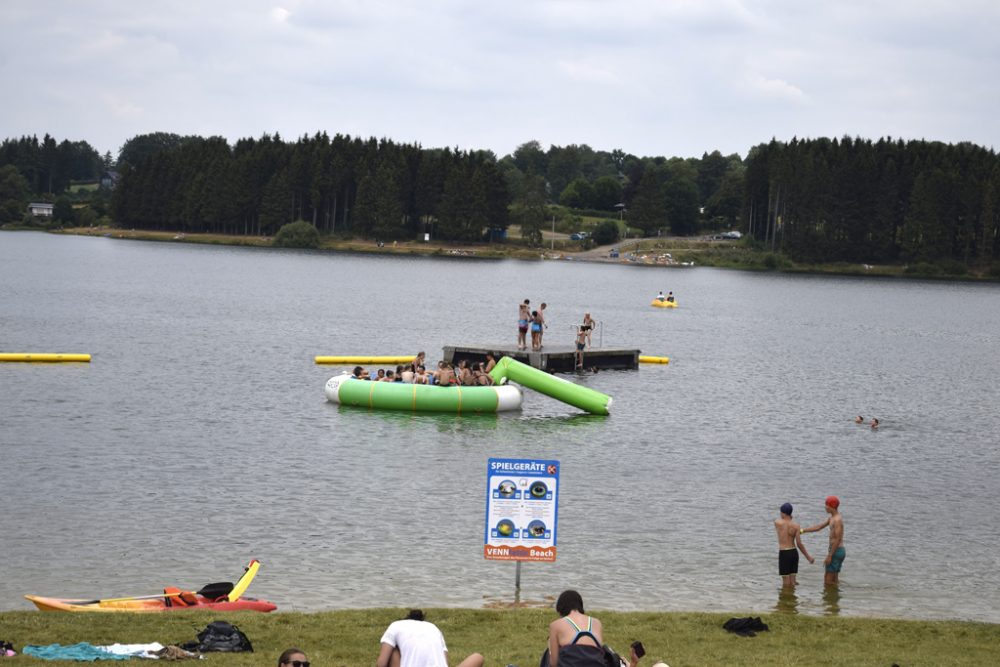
551 358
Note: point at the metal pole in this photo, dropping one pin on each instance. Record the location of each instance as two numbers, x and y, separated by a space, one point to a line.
553 242
517 584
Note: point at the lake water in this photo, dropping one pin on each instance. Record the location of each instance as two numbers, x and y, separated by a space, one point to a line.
199 435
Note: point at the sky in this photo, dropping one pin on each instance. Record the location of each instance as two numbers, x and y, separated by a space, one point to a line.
650 77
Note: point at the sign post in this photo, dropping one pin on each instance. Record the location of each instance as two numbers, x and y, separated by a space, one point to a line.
521 512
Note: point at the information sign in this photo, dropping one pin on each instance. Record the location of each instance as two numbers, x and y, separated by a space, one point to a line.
521 509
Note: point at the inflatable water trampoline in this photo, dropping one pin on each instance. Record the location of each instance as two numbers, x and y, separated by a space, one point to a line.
348 390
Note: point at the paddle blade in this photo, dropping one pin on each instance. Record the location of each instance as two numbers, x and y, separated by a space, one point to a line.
216 590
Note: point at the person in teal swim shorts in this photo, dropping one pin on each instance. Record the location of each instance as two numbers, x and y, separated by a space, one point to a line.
836 554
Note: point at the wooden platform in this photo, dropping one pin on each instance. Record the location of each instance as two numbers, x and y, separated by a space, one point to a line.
551 358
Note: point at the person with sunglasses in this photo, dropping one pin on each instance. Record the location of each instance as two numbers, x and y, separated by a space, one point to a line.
414 642
293 657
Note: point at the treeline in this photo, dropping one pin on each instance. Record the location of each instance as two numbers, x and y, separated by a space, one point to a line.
387 190
339 184
818 200
855 200
377 188
655 194
48 166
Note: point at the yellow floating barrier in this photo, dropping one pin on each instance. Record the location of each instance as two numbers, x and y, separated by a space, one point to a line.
643 359
344 361
42 357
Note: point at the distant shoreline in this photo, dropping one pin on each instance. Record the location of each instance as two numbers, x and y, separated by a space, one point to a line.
670 252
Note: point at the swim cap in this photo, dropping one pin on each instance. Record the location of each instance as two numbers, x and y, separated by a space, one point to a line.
786 509
833 501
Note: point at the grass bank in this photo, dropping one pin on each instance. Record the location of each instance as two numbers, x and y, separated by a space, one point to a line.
517 636
327 243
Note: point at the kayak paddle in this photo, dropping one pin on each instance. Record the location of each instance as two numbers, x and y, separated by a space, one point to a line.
210 591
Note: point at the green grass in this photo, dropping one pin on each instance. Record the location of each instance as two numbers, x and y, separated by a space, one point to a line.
350 638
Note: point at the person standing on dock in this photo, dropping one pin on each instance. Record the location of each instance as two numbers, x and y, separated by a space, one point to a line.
536 331
588 326
541 321
523 320
581 343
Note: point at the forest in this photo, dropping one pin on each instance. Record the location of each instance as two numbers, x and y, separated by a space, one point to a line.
811 200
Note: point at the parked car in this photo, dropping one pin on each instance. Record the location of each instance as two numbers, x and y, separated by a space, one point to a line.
578 236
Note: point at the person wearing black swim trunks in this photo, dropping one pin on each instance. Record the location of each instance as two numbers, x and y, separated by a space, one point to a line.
581 343
588 326
789 544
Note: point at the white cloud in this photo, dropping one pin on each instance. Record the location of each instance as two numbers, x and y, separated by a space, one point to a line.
654 77
584 72
778 88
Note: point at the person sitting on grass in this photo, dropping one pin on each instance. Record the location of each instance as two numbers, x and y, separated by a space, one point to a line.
577 640
414 642
293 657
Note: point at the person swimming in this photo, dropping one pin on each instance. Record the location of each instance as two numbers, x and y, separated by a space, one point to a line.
859 420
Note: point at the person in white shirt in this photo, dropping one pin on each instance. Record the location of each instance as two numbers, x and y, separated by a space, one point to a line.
414 642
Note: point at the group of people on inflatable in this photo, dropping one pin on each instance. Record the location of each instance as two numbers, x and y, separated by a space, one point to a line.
463 374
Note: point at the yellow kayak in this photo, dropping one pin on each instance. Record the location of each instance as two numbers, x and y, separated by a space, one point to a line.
658 303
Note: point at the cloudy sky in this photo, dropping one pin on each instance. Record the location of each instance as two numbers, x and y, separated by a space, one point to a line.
652 77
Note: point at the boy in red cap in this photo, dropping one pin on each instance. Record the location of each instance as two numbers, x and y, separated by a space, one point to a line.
835 556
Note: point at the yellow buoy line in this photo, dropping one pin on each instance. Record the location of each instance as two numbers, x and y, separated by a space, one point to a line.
645 359
346 360
43 357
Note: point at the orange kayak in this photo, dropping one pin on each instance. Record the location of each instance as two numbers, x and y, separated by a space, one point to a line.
159 604
223 596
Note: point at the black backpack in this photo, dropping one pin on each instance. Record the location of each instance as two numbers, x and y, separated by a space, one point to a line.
220 636
745 627
584 655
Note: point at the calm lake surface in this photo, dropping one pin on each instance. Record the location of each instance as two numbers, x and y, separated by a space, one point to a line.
199 437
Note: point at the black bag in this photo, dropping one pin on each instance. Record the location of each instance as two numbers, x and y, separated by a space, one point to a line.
745 627
222 637
584 655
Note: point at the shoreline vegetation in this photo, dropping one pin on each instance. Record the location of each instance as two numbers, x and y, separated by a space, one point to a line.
350 638
674 252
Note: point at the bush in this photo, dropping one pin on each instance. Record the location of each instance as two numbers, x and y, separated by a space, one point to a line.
298 234
605 233
922 269
953 267
773 261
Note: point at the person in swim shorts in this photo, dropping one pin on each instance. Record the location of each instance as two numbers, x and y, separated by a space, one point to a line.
789 544
542 324
836 553
523 320
581 343
536 331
